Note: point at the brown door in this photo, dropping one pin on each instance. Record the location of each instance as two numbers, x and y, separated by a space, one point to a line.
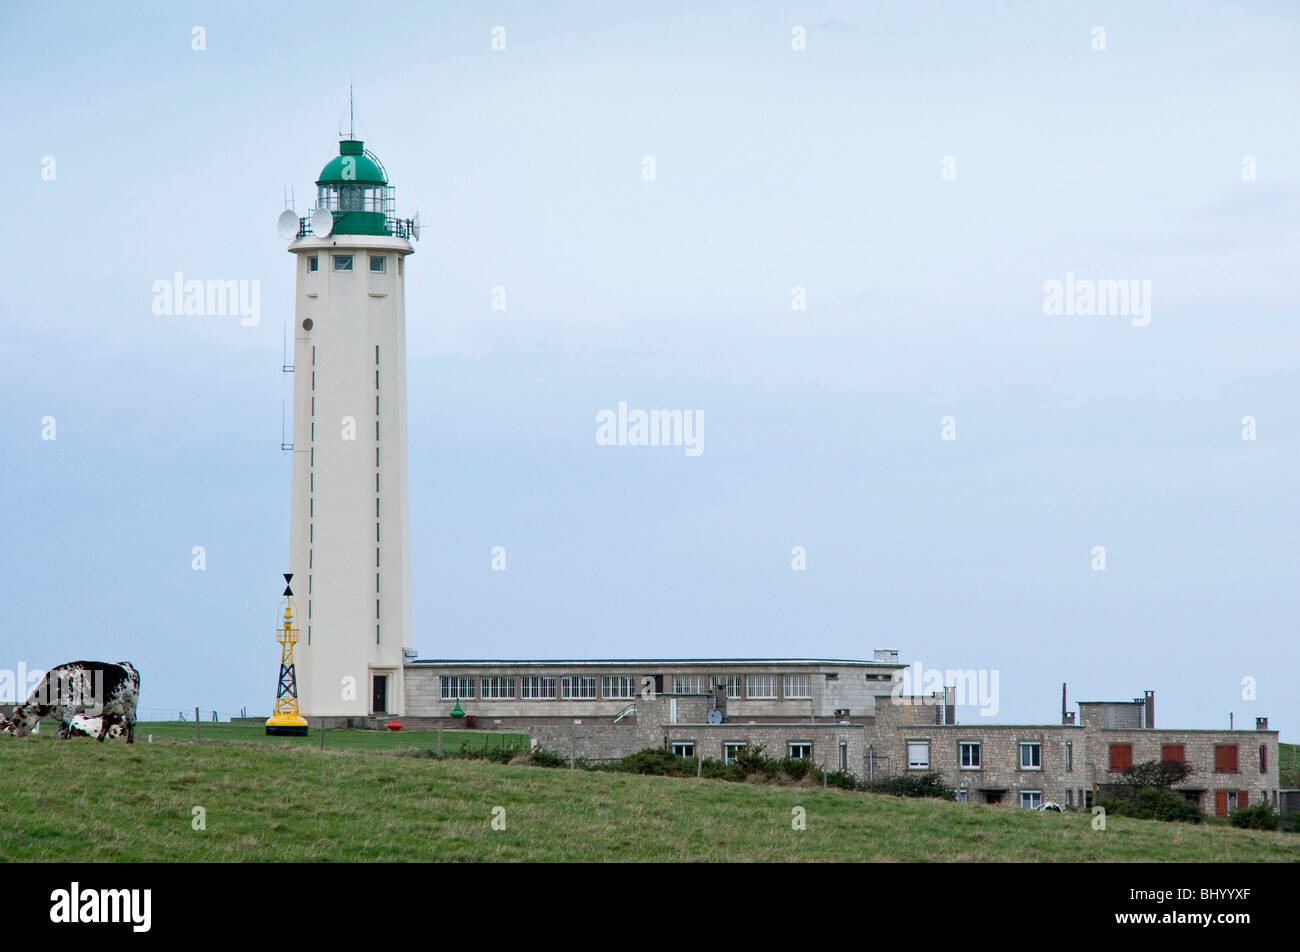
1221 803
379 702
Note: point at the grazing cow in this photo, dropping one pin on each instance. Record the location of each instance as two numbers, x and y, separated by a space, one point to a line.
104 691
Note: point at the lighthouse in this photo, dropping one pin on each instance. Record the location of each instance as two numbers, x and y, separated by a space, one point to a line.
349 535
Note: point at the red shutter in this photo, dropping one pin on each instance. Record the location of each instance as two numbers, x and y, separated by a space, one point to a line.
1221 803
1173 752
1121 756
1243 799
1225 758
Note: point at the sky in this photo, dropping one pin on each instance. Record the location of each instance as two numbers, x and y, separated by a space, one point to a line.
920 170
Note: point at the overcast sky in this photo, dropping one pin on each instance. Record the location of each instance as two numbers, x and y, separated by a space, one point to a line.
920 169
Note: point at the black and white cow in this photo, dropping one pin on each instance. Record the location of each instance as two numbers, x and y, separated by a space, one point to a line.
101 690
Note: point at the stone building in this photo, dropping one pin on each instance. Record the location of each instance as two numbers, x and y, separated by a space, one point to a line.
843 715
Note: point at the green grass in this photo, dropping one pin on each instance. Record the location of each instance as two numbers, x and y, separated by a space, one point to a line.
1288 756
334 739
80 800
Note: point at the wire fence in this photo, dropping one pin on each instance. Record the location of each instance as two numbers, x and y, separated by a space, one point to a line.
207 715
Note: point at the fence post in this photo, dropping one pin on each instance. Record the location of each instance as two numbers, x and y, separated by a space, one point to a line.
439 741
196 726
699 768
322 736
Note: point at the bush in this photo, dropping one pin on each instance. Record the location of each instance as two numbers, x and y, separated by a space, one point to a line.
1151 803
1258 817
929 784
655 761
541 757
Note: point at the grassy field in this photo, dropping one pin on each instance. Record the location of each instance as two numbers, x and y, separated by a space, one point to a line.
334 740
1288 761
80 800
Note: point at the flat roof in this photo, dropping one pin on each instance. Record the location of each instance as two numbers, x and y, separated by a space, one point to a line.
607 662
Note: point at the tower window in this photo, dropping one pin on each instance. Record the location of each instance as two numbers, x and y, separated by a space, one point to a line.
313 355
377 264
376 355
376 608
342 262
313 263
376 379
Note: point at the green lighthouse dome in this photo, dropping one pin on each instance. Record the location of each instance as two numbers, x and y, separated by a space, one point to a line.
353 165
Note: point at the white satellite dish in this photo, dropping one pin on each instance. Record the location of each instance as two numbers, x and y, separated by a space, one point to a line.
322 222
415 226
287 224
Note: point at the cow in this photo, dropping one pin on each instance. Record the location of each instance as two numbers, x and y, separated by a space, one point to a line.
104 691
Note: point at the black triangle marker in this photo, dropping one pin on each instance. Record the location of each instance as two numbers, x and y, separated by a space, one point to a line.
287 590
288 577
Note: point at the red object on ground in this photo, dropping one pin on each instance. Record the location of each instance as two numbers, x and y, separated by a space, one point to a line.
394 725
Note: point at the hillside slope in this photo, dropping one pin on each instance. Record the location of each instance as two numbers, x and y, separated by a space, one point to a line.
79 800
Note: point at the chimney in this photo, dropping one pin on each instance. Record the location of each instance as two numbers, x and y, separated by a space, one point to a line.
1261 723
1150 709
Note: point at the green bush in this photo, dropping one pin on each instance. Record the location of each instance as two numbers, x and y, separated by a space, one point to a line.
655 761
1151 803
1258 817
929 784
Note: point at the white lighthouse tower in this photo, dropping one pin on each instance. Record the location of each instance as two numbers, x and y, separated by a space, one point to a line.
349 541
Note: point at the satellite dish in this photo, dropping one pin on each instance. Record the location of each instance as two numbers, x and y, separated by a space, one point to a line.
287 224
322 222
415 226
715 716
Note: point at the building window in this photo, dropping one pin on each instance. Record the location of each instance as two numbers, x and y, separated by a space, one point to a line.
684 749
918 755
538 688
844 755
497 689
1069 797
376 264
1069 755
969 752
1121 757
1227 802
1173 752
798 686
617 688
342 262
1225 758
1031 756
734 683
313 263
1031 799
1263 758
799 750
963 796
688 684
730 751
456 687
760 686
582 688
